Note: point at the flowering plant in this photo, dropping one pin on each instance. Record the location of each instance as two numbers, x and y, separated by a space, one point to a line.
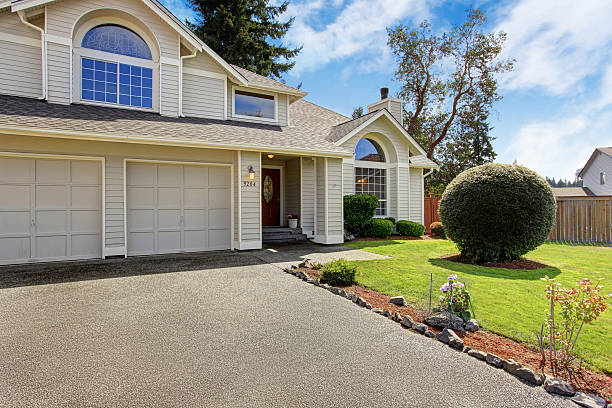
569 310
292 216
456 298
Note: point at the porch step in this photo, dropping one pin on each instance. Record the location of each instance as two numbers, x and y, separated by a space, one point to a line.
279 235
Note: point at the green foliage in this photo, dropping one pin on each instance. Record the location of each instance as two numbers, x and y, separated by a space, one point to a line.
246 33
378 228
410 228
391 219
357 112
359 209
437 229
497 212
456 298
338 273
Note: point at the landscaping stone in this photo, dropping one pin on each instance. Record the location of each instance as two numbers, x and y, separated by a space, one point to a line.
472 325
398 300
351 295
511 366
342 293
448 336
325 286
307 263
355 299
407 322
311 281
420 327
361 301
466 349
481 355
558 386
397 317
387 313
377 310
589 401
446 320
528 375
429 333
333 290
494 360
368 306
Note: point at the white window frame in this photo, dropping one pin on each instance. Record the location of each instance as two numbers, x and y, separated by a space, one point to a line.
255 91
602 178
379 166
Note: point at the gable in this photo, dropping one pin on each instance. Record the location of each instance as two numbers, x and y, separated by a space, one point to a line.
601 155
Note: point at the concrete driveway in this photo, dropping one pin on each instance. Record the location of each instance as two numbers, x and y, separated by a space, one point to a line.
221 330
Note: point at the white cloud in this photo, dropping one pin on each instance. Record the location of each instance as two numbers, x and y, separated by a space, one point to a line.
557 44
358 31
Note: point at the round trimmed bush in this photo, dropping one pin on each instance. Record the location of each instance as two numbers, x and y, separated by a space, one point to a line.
497 212
437 229
410 228
338 272
359 209
378 228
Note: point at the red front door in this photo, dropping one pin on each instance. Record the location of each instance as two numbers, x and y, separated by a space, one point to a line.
270 197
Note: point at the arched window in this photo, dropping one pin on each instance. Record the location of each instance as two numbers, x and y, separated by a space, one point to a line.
112 76
371 179
117 40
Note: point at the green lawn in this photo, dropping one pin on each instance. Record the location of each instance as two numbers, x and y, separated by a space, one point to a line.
508 302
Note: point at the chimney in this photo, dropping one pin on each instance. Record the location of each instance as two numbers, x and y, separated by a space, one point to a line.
393 105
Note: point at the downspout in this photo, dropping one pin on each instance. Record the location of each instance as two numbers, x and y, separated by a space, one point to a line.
428 173
43 40
183 58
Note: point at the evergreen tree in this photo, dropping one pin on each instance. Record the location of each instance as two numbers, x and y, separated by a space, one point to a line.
246 33
357 112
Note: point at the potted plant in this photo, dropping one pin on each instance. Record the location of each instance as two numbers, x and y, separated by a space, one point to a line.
292 220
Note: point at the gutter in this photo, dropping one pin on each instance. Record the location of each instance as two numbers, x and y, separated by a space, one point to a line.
428 173
43 40
183 58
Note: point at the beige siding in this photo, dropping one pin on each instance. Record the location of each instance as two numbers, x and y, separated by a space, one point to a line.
334 198
281 100
58 68
320 197
26 60
591 178
308 196
170 90
416 195
203 62
251 201
115 236
348 171
292 187
203 97
404 193
395 108
392 193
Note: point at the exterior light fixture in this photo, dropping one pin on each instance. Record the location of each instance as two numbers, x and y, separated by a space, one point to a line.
251 173
270 156
363 181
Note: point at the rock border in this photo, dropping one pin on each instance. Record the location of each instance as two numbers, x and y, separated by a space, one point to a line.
552 385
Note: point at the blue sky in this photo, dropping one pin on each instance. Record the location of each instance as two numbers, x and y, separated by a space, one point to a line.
557 104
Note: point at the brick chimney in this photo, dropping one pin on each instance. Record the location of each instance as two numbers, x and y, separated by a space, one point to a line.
393 105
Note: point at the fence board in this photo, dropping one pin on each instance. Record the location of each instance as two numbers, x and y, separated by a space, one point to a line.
583 219
430 207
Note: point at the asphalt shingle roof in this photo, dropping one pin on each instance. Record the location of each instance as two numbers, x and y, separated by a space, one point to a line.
343 129
572 192
265 82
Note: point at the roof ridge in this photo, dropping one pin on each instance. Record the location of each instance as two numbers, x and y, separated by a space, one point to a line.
350 120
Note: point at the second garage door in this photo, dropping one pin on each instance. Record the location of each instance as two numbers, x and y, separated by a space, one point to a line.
177 208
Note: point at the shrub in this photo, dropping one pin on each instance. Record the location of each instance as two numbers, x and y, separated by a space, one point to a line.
378 228
359 209
391 219
497 212
410 228
437 229
338 272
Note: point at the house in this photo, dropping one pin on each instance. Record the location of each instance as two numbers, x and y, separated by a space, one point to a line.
596 174
572 192
123 134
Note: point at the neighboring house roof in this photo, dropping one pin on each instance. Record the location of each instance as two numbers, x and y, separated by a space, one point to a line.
260 81
309 126
605 150
572 192
421 161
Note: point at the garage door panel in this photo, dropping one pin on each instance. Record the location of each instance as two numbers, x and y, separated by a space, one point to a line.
139 174
218 198
196 240
85 172
15 197
219 218
169 219
141 197
219 176
52 246
15 223
16 170
51 222
84 245
218 239
85 221
141 242
169 197
85 197
51 196
195 198
196 218
169 175
15 249
52 171
141 219
169 241
195 176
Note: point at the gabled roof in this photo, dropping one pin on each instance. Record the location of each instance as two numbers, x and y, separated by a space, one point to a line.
604 150
260 81
572 192
341 130
421 161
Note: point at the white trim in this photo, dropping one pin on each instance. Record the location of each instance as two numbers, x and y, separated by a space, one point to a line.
5 3
59 40
240 88
329 239
380 113
181 74
125 232
31 3
19 39
422 198
115 251
201 72
315 185
301 220
386 100
225 99
397 194
178 162
239 165
259 201
326 170
43 41
161 82
288 111
232 208
299 94
102 161
247 245
281 193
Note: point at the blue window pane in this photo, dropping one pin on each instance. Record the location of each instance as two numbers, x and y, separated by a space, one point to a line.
253 104
147 102
124 89
88 95
88 73
101 65
100 76
136 101
87 63
147 82
99 86
135 91
111 97
118 40
87 84
147 92
124 79
136 70
124 69
135 80
111 67
111 77
124 99
147 73
111 87
100 97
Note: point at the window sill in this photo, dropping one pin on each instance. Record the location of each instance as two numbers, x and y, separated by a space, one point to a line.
114 106
255 118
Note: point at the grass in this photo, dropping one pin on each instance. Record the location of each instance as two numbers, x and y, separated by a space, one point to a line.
509 302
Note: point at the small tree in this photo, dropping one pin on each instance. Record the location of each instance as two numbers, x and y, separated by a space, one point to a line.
359 209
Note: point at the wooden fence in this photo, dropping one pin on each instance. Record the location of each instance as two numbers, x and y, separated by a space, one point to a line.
430 206
583 219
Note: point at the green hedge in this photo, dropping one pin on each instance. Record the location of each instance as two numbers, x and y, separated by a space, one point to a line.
338 272
378 228
410 228
497 212
359 209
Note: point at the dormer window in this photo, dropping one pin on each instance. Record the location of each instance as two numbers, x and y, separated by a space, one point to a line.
254 105
116 67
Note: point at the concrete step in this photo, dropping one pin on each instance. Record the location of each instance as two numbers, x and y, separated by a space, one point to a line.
282 230
285 239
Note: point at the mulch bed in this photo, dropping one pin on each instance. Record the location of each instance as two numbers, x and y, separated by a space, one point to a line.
585 380
520 264
398 238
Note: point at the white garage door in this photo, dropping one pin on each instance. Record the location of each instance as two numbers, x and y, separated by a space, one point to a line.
177 208
49 209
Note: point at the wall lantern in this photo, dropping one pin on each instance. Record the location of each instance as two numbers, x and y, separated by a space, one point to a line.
270 156
251 173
